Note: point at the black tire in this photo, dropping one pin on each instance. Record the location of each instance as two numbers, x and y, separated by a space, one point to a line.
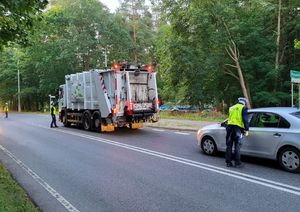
97 122
208 146
86 122
289 159
64 120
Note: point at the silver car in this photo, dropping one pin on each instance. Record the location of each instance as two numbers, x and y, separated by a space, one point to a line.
274 133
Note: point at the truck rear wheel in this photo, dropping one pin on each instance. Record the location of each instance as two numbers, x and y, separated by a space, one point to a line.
97 122
86 120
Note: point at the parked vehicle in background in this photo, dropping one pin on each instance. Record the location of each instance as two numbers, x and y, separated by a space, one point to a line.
166 107
101 100
169 107
274 134
185 108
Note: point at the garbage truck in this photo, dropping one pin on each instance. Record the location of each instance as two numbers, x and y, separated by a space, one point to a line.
102 100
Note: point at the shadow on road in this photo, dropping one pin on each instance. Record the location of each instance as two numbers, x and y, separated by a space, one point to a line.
255 160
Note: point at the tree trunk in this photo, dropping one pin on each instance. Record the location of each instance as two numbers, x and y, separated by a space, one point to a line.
134 30
86 62
249 95
242 82
233 52
278 43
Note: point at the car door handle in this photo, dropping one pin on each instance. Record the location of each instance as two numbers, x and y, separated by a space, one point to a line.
277 134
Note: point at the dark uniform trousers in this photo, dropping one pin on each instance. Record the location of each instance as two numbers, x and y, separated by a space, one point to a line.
233 136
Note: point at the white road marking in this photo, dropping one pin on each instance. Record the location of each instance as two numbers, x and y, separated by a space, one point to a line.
246 177
42 182
182 133
158 130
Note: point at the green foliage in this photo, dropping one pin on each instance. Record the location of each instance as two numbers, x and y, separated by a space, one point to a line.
143 22
16 19
297 44
8 75
71 37
193 57
186 39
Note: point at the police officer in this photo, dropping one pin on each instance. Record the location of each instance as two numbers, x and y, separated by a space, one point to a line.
6 110
237 127
53 114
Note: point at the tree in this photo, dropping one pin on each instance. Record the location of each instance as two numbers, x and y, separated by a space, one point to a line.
16 19
8 74
203 30
138 19
206 51
71 37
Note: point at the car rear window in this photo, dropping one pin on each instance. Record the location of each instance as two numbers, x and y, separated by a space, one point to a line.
296 114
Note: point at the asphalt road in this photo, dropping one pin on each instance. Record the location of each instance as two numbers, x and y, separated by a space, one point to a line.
68 169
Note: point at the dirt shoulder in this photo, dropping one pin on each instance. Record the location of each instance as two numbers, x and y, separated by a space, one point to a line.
180 124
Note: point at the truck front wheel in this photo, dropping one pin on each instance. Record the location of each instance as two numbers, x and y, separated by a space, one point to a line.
87 120
64 119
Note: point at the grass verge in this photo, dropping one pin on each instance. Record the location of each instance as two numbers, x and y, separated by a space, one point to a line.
12 197
212 116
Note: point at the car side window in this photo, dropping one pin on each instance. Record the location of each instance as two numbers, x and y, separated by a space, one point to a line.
250 118
270 120
284 123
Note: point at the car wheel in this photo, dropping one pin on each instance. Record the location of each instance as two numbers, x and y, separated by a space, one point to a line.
208 146
289 159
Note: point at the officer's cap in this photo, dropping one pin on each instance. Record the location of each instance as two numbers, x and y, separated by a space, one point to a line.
243 100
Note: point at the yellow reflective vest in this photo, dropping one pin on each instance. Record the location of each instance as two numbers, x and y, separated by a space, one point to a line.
6 109
54 110
235 115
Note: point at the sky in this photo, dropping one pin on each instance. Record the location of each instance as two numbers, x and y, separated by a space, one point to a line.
111 4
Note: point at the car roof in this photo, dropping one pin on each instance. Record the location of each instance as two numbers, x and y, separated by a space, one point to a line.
276 109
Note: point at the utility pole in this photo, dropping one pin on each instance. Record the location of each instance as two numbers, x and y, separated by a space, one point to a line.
134 29
19 101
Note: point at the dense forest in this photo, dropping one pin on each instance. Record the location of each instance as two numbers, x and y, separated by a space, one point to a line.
206 53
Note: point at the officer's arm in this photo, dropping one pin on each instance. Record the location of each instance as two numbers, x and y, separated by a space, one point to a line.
245 118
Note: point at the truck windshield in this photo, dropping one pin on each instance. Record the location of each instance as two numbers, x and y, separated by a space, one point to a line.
296 114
